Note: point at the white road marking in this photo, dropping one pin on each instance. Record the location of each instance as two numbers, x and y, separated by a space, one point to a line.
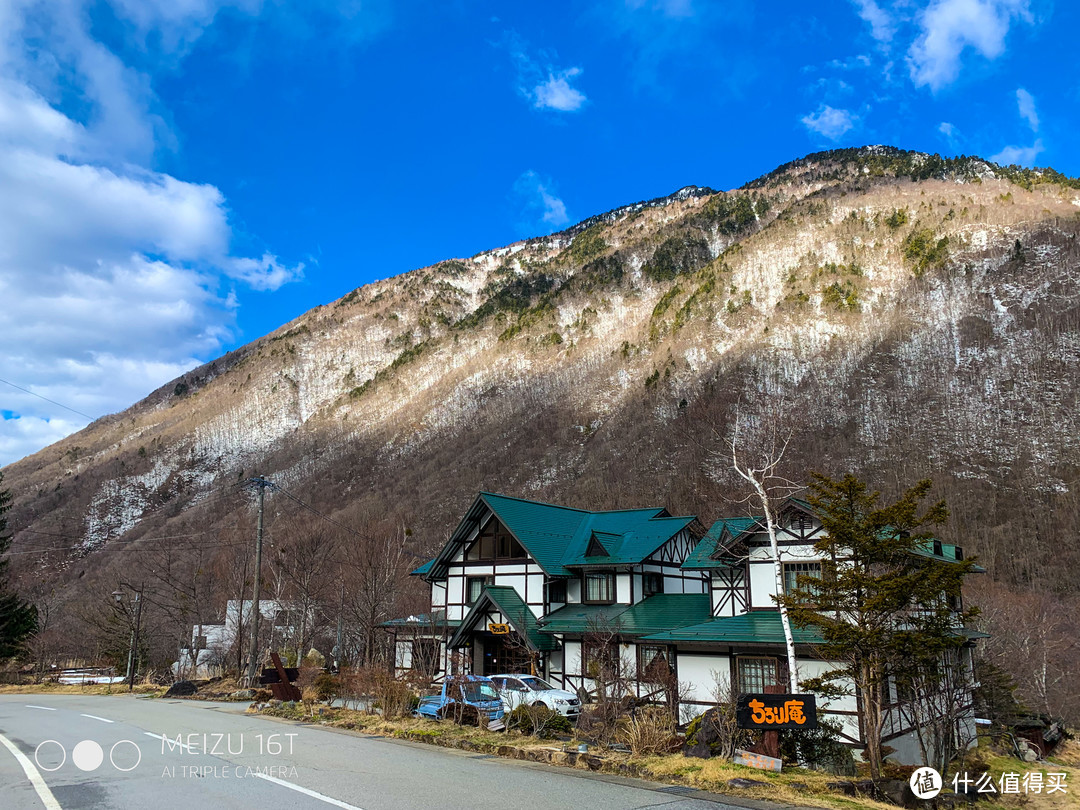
313 794
43 708
95 717
32 774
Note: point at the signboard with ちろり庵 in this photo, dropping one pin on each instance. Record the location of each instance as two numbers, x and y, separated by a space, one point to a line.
773 712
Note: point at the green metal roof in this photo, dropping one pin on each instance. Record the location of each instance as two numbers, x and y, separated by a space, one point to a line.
518 615
558 536
652 614
758 627
700 559
423 569
580 618
436 620
664 611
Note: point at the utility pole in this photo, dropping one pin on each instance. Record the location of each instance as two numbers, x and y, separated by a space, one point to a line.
133 661
253 649
337 647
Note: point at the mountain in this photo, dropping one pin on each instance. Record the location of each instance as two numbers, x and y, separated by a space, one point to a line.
902 315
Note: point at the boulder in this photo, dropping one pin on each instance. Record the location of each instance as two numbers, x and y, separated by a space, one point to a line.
243 694
181 689
746 783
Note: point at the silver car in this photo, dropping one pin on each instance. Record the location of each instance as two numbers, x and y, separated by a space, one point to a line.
529 690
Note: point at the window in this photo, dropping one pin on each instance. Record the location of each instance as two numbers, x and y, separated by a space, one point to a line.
600 660
652 582
474 586
799 522
792 572
495 543
556 591
757 673
599 588
654 662
425 655
200 643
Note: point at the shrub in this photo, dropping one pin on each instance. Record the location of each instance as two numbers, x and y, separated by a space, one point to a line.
326 686
817 747
716 733
650 731
539 721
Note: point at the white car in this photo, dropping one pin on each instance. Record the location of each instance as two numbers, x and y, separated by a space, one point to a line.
528 690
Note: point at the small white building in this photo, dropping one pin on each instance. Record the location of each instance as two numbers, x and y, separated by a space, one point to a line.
633 588
211 649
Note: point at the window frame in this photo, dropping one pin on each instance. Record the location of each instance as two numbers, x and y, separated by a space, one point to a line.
794 566
740 660
560 584
485 579
488 545
609 576
655 576
664 651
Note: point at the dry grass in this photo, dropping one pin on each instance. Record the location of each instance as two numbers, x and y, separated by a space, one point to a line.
49 688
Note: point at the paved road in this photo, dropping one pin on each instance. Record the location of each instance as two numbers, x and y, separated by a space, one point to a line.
108 753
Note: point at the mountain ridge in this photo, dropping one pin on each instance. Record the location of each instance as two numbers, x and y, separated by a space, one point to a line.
631 339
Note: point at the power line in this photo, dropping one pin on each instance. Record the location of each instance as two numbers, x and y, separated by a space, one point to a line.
315 511
53 401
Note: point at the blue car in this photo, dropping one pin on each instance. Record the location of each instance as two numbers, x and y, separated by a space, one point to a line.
472 690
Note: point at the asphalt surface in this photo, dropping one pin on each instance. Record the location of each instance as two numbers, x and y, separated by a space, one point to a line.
108 753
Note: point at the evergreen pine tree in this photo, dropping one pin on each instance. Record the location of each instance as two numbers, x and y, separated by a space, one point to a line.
18 619
881 604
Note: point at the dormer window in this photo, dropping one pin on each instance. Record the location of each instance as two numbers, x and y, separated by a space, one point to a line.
596 548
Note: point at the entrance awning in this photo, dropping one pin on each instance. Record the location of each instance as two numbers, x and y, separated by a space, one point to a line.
508 603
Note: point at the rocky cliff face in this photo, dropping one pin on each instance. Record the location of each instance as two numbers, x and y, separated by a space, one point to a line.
902 315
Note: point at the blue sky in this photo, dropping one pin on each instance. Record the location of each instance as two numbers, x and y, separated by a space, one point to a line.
178 177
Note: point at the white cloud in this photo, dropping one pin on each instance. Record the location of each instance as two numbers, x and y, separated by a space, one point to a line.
882 26
948 27
946 129
114 278
1025 102
1019 155
557 94
830 122
542 208
548 88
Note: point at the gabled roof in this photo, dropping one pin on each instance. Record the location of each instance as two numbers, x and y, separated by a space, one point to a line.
757 627
704 556
650 615
509 603
558 536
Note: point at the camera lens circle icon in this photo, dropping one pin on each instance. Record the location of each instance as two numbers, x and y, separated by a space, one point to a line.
87 755
38 753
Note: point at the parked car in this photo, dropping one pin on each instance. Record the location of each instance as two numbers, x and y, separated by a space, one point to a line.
472 690
529 690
